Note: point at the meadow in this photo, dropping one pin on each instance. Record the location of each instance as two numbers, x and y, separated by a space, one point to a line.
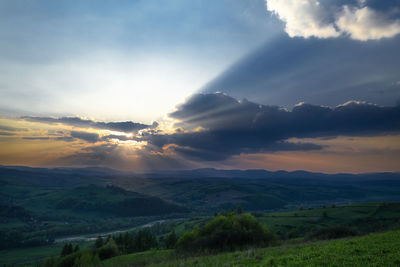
380 249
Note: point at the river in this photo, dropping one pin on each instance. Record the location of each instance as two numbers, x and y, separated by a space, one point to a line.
93 236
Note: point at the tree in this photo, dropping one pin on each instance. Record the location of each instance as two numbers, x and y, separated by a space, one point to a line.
67 249
99 242
239 210
87 259
170 243
76 249
144 240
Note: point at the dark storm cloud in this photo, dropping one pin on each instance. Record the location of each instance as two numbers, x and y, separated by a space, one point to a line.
233 127
318 71
127 126
220 112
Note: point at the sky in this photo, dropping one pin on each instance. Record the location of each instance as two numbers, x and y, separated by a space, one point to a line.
174 84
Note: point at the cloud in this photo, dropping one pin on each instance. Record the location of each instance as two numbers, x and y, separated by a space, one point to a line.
303 18
36 138
119 137
231 127
12 129
104 154
6 134
67 136
74 135
127 126
328 19
88 137
366 24
64 136
222 112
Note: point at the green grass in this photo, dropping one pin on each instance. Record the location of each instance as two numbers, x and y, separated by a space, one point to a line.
142 258
372 250
367 217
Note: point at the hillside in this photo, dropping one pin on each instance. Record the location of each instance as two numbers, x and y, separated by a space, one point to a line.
106 201
210 190
371 250
283 191
41 215
39 205
291 226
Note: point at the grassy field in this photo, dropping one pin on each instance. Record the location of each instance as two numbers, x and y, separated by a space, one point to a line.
381 249
293 226
363 217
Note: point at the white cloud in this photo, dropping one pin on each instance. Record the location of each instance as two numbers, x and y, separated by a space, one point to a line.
366 24
303 18
309 18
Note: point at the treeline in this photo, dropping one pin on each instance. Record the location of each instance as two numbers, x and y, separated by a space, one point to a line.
105 248
225 232
131 242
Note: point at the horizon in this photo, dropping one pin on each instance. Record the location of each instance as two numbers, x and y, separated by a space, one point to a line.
190 170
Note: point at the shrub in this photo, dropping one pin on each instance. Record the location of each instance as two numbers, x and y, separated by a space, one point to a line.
227 233
67 261
109 250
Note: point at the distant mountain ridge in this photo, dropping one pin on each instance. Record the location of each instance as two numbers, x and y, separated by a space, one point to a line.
202 173
260 174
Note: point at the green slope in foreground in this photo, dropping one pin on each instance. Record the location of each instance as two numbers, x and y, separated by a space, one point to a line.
372 250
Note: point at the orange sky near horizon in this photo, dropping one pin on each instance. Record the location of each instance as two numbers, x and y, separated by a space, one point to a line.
42 145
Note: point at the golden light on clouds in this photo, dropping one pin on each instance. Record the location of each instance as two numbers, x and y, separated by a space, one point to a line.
55 144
